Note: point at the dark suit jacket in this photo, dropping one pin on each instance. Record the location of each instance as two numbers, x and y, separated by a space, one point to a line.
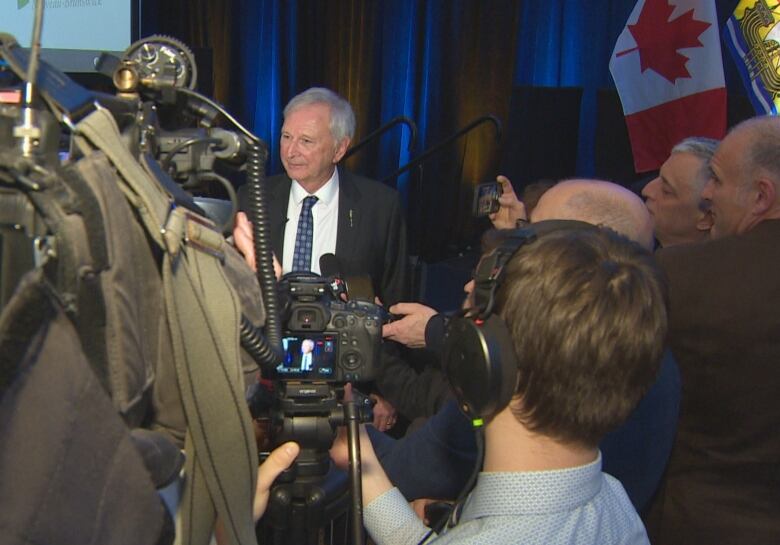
371 238
723 481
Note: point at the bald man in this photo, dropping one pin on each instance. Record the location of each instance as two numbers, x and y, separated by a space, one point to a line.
723 480
434 461
593 201
600 203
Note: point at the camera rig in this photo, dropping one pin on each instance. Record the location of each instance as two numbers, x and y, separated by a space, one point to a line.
171 133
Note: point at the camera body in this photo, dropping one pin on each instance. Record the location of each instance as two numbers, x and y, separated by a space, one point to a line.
325 338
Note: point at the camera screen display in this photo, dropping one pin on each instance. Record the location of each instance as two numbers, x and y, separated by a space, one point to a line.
486 199
308 356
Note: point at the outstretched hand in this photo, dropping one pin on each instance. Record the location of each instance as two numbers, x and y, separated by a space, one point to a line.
409 330
280 459
375 481
244 241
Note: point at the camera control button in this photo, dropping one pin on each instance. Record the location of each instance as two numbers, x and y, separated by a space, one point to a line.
351 360
339 323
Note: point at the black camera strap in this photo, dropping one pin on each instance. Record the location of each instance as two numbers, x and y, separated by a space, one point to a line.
68 96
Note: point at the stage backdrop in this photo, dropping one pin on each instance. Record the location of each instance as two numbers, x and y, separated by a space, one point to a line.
442 63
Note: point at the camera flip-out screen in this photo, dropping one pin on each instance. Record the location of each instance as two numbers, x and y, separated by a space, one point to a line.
309 356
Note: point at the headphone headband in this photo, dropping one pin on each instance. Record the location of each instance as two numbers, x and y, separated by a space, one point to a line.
479 357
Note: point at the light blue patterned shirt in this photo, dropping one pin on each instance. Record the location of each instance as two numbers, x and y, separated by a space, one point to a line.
580 505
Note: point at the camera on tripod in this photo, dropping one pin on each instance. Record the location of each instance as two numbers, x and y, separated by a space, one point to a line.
326 338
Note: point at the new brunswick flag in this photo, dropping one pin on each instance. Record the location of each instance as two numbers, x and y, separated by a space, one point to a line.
668 71
753 36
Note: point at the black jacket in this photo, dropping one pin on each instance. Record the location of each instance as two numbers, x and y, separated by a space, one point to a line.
371 238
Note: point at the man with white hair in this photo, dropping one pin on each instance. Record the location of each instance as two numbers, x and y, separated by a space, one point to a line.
316 208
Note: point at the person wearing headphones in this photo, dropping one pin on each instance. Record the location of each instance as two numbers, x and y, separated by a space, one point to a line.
575 320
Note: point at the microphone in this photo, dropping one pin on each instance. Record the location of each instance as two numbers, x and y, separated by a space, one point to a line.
329 265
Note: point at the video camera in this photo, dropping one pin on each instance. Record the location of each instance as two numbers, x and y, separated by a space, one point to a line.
326 338
157 139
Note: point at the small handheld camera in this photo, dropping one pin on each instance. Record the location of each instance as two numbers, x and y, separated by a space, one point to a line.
486 199
325 338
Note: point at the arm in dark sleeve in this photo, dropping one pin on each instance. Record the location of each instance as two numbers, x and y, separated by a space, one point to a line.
434 461
434 333
414 394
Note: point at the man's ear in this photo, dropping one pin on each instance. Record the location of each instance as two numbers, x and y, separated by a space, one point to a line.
341 149
765 196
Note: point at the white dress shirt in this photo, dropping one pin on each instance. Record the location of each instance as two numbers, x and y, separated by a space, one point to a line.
325 214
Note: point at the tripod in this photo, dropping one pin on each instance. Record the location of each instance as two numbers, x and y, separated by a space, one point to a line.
312 494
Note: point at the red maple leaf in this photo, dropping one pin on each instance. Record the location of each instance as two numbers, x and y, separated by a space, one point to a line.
658 39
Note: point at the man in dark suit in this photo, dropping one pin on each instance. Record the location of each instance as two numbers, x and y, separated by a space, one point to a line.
723 480
357 219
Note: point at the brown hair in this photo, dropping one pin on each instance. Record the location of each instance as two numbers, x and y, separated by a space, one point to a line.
587 314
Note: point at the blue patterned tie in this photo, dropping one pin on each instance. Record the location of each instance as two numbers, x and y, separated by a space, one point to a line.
304 238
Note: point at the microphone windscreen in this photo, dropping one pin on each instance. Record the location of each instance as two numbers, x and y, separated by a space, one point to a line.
360 288
329 265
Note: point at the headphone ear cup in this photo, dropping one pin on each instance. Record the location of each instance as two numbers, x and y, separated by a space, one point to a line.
480 364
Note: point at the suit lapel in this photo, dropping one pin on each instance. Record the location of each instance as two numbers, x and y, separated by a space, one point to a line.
279 194
349 216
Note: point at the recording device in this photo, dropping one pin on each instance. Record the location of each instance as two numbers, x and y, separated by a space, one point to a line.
486 199
326 338
169 130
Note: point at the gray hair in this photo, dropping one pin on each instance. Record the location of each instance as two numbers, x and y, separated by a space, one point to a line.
342 118
698 146
763 151
704 149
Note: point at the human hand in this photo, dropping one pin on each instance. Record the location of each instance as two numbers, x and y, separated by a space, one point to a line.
409 330
510 209
385 415
244 241
280 459
419 505
374 478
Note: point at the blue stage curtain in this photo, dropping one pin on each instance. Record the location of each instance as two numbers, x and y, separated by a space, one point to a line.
266 47
442 63
568 44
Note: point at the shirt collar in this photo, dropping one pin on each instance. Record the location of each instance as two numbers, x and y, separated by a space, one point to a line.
533 492
325 194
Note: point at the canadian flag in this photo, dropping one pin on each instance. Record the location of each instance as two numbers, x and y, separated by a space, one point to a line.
668 71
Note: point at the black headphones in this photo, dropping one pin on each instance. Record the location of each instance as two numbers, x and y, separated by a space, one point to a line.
479 358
